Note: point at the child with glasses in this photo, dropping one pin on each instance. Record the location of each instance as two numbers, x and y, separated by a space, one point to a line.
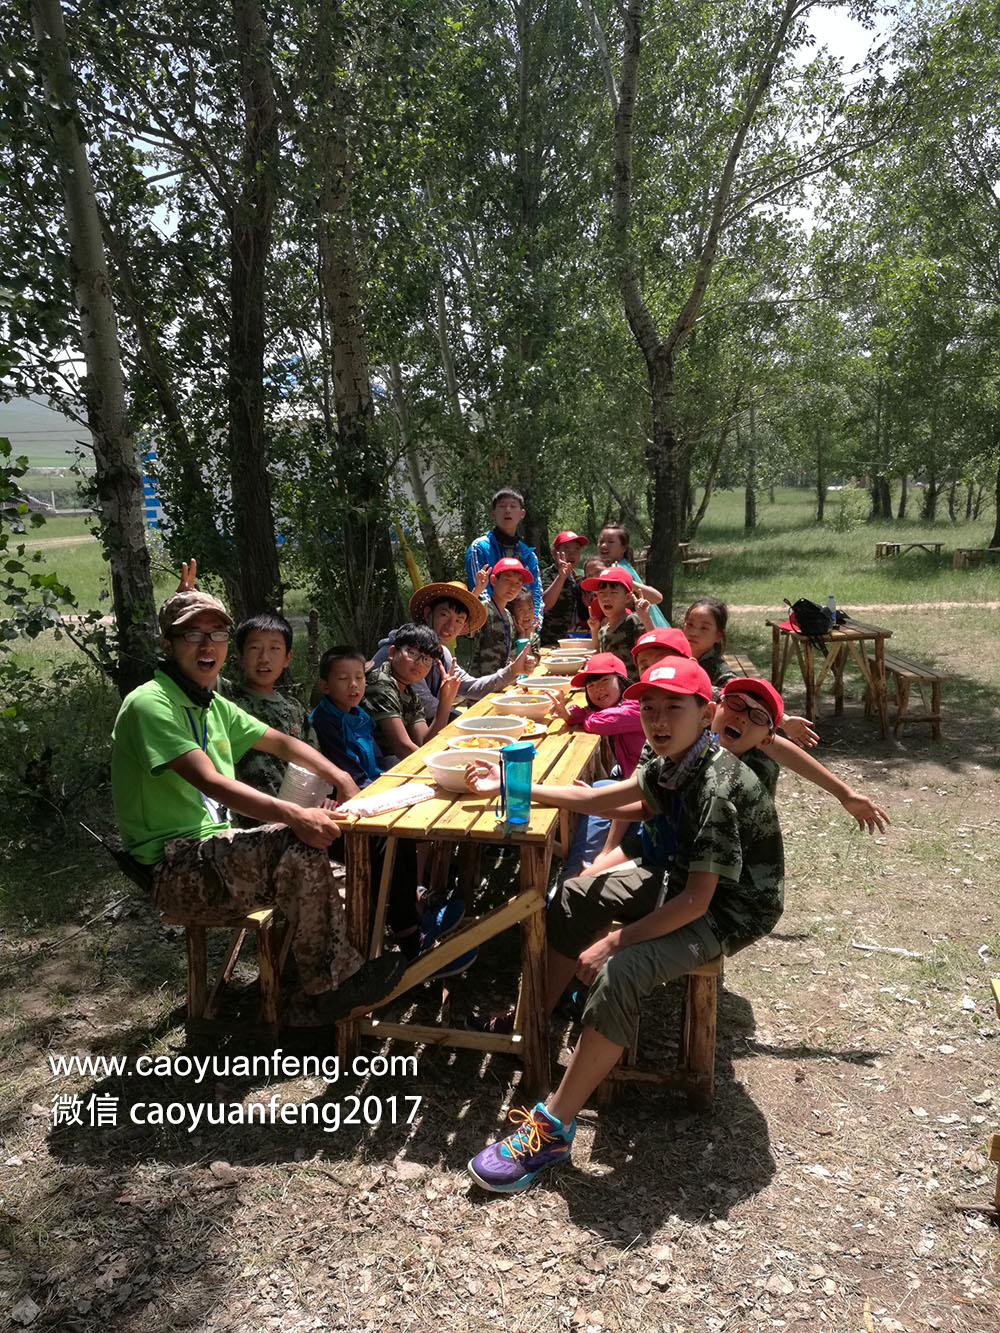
746 716
391 701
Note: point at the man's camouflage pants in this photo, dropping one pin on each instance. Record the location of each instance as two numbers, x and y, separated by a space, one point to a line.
241 870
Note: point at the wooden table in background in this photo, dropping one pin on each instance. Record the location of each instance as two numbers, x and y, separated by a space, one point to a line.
847 640
461 818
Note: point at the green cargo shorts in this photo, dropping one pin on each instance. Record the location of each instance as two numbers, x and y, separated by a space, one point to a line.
587 905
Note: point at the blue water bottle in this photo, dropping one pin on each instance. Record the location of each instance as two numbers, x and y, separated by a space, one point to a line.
515 782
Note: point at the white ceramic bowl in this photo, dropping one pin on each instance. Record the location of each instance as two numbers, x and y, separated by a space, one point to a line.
486 726
561 683
473 744
566 663
523 705
448 767
578 645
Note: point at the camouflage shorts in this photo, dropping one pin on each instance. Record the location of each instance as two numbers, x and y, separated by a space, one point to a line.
585 906
241 870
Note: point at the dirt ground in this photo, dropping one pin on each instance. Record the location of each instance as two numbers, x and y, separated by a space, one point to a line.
841 1181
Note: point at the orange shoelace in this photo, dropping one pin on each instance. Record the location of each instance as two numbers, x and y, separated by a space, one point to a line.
530 1136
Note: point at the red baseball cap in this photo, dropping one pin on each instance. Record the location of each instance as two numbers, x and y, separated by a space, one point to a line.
601 664
757 688
673 640
680 675
612 575
569 537
510 566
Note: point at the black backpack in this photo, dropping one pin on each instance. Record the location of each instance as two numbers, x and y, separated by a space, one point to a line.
811 619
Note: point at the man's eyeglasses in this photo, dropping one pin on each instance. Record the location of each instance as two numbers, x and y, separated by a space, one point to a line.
759 716
203 636
418 659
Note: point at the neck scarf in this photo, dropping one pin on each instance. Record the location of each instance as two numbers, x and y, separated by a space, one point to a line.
198 694
356 730
674 773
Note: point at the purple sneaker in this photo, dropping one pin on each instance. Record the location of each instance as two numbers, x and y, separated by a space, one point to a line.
512 1164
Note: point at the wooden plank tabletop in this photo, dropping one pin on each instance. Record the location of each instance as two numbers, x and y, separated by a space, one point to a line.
851 630
561 755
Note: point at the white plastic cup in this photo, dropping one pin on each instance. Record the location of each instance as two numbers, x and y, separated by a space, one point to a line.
301 787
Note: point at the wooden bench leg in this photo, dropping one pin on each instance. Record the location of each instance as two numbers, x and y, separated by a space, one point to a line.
697 1054
936 709
994 1156
269 965
902 703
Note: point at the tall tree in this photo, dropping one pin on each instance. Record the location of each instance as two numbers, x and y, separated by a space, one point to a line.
118 480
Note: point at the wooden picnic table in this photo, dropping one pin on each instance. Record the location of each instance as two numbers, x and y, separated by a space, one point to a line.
970 557
562 755
886 548
815 662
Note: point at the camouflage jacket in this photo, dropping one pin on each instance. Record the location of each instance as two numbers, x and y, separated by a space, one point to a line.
621 640
386 698
494 643
284 713
568 613
718 669
724 822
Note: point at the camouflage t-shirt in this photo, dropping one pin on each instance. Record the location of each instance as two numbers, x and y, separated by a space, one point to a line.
621 640
761 763
385 698
494 642
568 613
726 824
717 668
280 711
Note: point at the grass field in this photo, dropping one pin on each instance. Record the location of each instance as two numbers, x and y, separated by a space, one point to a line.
841 1182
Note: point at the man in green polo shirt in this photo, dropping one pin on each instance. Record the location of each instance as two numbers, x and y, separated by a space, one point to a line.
176 746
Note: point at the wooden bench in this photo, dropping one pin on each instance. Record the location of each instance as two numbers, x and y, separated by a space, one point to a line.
741 664
905 673
695 563
695 1071
202 1000
971 557
883 549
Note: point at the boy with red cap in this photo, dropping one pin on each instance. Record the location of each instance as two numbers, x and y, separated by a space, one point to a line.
748 712
713 884
495 641
621 628
565 608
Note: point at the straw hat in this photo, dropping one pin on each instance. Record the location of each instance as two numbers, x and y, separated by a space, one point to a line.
457 592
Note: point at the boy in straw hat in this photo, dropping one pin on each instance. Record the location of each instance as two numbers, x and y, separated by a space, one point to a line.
450 609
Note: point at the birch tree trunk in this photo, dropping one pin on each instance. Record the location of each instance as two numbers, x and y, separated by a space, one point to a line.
664 452
118 479
251 229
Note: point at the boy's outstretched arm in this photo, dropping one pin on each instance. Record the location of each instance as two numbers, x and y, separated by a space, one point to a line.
869 815
484 780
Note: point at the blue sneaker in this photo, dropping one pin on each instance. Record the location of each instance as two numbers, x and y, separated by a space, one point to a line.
512 1164
435 926
439 921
